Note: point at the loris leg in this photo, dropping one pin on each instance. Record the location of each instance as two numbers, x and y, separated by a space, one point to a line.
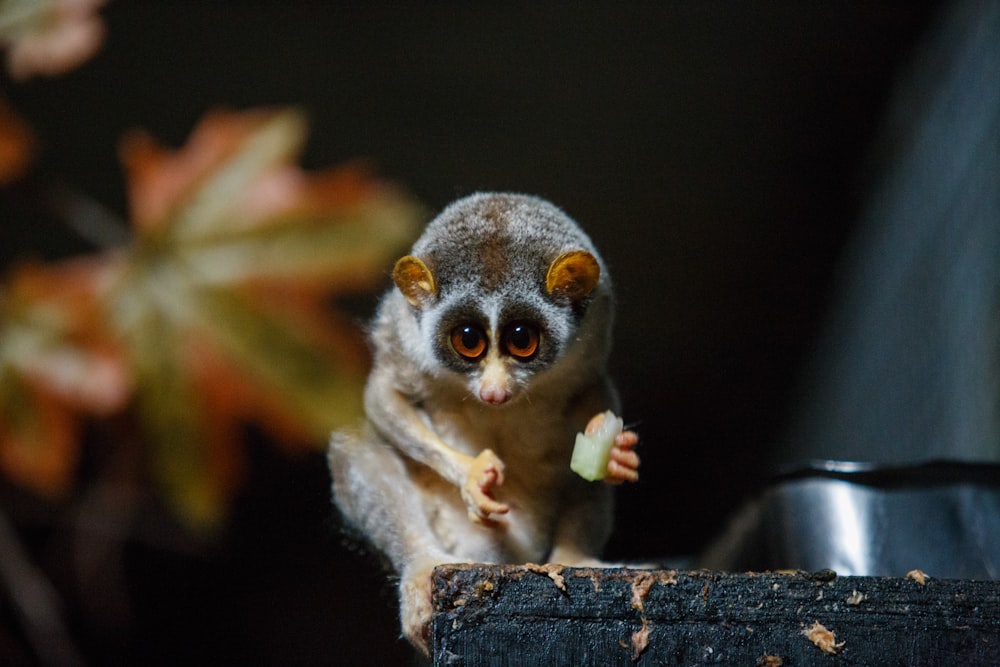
374 492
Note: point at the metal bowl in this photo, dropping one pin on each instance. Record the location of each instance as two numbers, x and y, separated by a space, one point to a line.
861 519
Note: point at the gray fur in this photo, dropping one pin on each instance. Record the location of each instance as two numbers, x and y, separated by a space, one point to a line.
412 477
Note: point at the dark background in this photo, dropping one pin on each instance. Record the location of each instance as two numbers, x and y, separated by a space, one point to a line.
716 152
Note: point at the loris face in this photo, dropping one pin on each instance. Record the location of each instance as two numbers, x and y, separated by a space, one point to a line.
498 344
497 297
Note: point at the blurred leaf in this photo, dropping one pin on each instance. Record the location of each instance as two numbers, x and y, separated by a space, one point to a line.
57 361
17 145
49 37
222 301
217 312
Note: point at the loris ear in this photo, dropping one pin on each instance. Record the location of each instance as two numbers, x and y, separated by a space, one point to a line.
414 280
573 275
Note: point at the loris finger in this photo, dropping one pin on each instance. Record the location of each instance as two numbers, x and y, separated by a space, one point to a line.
486 504
595 423
626 439
618 473
489 479
624 457
494 507
485 507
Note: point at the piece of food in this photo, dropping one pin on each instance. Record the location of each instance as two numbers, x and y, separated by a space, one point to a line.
592 450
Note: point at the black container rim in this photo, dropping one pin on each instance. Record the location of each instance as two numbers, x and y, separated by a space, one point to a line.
936 472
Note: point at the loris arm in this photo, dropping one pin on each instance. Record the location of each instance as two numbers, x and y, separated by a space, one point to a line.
401 423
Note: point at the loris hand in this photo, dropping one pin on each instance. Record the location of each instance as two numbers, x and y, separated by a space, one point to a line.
623 464
485 472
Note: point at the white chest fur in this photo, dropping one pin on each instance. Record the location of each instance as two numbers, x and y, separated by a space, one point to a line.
535 443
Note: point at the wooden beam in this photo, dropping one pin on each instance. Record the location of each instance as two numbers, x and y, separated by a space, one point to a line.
548 615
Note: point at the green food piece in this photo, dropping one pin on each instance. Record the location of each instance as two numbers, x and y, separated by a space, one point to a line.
591 452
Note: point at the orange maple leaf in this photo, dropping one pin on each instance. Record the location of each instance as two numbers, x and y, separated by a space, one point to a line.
49 37
217 312
17 145
57 362
223 300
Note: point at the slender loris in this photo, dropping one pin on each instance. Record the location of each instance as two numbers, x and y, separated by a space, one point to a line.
489 355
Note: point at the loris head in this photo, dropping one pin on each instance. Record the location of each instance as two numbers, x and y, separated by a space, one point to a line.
504 289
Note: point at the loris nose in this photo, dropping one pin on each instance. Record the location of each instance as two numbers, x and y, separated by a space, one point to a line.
494 384
494 395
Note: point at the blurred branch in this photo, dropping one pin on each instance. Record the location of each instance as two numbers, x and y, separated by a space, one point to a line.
90 220
35 601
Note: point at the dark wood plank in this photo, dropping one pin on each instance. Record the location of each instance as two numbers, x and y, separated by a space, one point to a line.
515 615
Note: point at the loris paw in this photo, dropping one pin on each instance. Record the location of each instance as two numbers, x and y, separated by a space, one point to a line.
485 472
415 609
623 466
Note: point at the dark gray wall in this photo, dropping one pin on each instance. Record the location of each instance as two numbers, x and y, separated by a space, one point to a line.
713 150
908 369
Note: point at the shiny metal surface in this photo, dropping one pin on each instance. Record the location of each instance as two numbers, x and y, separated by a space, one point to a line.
857 519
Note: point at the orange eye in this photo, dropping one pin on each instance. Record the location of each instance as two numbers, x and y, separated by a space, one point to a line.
469 341
521 340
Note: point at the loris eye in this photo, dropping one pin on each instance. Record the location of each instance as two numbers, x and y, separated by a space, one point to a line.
469 341
520 340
